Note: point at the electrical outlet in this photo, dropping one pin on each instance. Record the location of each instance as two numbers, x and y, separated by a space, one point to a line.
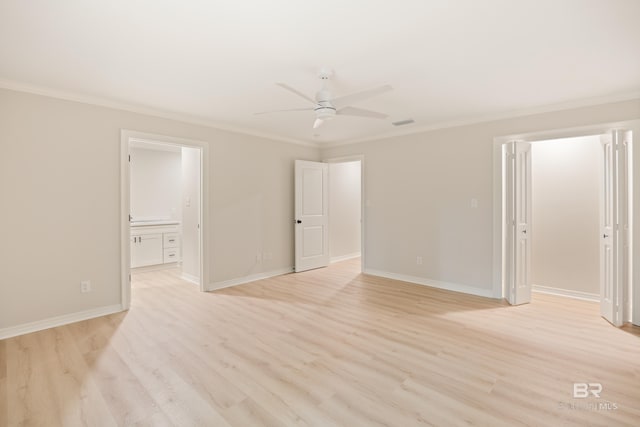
85 286
419 260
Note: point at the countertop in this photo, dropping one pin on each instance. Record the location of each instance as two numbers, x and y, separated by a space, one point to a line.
155 222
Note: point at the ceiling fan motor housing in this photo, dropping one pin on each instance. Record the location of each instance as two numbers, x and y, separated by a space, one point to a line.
324 110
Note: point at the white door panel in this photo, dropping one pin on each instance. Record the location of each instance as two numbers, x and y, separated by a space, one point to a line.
518 222
614 226
311 215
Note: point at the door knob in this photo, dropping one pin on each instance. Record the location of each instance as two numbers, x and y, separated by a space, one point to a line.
298 221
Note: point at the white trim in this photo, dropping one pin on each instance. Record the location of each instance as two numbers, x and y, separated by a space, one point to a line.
141 109
586 296
363 212
125 225
345 257
411 130
246 279
190 278
571 132
125 137
53 322
498 215
455 287
345 159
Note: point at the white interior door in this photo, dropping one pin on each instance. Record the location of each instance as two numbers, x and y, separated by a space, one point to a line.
518 220
311 215
614 226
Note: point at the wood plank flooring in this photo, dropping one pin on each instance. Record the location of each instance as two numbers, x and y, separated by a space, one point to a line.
329 347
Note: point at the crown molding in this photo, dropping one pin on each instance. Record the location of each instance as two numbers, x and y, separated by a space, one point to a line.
587 102
141 109
185 118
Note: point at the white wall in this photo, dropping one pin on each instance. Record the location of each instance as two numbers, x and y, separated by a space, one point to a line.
190 212
344 209
418 191
252 207
566 214
155 178
60 193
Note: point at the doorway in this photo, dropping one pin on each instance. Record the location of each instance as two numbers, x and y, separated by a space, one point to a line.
614 175
565 220
345 210
328 196
163 208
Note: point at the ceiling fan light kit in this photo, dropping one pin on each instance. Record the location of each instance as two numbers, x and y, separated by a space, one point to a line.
326 107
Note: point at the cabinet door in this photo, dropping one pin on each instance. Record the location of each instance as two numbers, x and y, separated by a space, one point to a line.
146 249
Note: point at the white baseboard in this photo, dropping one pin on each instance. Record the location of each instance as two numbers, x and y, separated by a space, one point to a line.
52 322
190 278
246 279
345 257
566 293
488 293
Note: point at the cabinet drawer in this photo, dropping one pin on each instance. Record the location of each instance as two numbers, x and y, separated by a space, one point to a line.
171 240
171 255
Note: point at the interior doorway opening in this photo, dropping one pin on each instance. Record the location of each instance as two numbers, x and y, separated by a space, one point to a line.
613 152
162 205
345 210
565 220
165 203
329 221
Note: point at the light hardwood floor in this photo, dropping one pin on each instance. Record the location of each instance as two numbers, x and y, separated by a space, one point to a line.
322 348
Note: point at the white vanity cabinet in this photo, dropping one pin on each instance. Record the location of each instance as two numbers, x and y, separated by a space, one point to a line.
171 245
146 249
154 244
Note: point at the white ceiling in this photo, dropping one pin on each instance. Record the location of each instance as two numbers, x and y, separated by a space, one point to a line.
218 61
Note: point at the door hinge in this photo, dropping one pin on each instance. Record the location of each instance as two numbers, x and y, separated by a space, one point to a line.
129 277
129 157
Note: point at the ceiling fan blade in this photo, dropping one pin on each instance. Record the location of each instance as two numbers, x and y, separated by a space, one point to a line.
360 112
300 94
317 123
284 111
343 101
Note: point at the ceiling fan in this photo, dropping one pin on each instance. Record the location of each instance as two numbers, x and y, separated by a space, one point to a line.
327 107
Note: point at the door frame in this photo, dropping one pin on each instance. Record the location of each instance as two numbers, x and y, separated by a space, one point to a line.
363 217
634 195
127 136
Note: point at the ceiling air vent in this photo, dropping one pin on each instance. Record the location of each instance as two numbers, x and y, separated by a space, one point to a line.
403 122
